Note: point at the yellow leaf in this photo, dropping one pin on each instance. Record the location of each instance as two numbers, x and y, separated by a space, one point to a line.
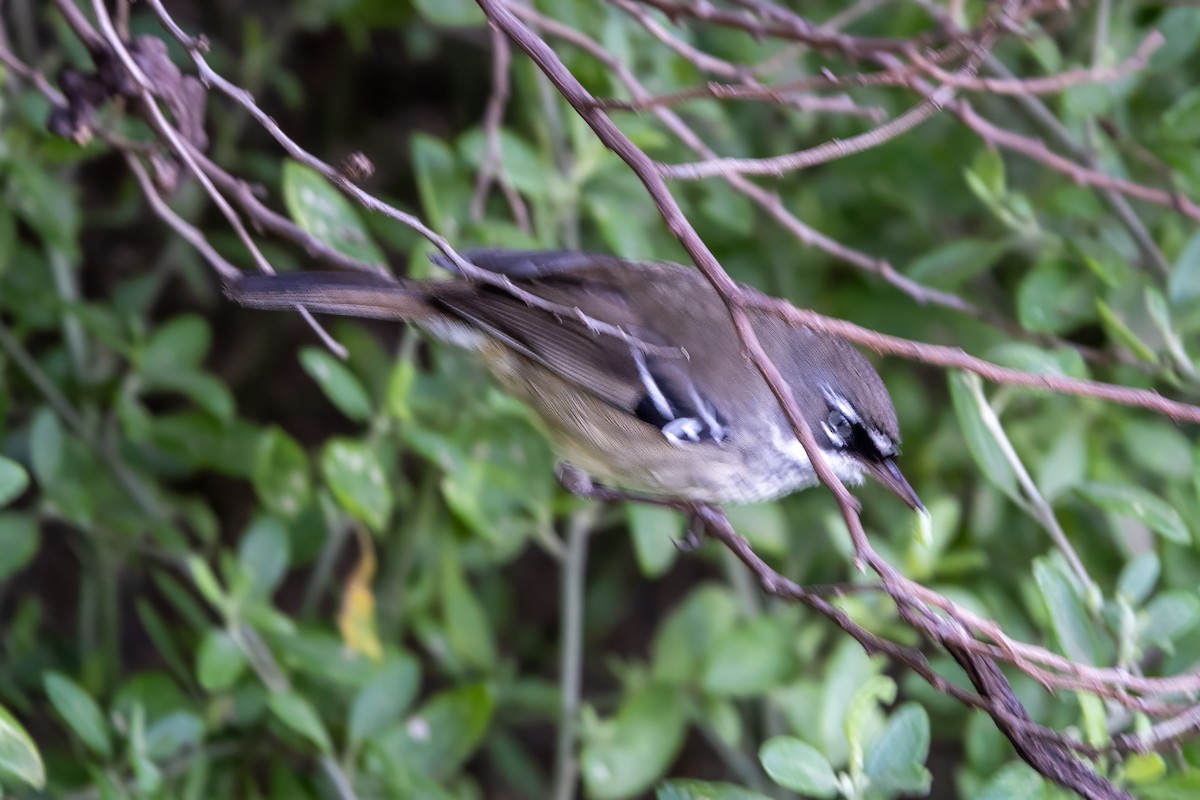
356 620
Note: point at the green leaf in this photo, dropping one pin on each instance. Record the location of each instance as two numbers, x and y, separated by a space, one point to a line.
749 659
1054 298
1181 29
1183 286
13 480
1031 358
655 532
337 382
896 759
1065 466
323 211
181 342
1160 315
1169 616
1139 576
79 711
400 389
849 669
1013 780
1156 445
467 626
1181 122
1137 503
688 636
384 698
20 538
298 714
19 756
356 478
442 734
863 717
953 264
281 475
1123 334
203 389
1070 621
764 524
451 13
206 582
172 733
219 661
798 766
1144 768
263 555
704 790
444 192
1094 719
624 755
988 166
985 448
46 446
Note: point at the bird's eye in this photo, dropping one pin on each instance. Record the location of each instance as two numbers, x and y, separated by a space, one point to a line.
838 427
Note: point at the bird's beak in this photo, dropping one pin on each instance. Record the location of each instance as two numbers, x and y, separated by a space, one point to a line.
887 473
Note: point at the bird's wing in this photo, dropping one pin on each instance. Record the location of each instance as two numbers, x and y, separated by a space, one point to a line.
657 385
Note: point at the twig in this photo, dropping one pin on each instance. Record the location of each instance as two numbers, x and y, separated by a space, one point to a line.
1050 84
902 77
465 268
822 153
492 165
767 200
956 358
159 122
817 38
573 577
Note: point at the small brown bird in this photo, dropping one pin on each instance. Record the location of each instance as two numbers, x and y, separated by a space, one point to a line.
688 418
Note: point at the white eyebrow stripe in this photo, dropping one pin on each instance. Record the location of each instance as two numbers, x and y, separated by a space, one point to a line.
656 394
883 443
839 402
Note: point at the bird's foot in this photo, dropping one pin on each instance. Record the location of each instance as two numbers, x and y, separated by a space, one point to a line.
693 534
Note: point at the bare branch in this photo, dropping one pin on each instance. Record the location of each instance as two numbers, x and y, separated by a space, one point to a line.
492 166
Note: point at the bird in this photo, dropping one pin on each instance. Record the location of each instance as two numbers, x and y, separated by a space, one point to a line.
671 409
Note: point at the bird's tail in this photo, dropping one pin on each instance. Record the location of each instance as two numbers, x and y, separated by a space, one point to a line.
354 294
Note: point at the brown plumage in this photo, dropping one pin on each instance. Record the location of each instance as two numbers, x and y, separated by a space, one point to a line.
692 420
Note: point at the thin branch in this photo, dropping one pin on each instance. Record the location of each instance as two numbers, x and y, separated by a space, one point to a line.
902 77
195 47
828 151
815 37
159 122
573 578
491 167
767 200
956 358
703 61
1049 84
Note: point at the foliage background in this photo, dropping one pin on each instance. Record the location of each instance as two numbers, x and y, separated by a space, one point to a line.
234 567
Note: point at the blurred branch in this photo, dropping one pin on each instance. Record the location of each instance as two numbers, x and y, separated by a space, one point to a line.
492 167
573 578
